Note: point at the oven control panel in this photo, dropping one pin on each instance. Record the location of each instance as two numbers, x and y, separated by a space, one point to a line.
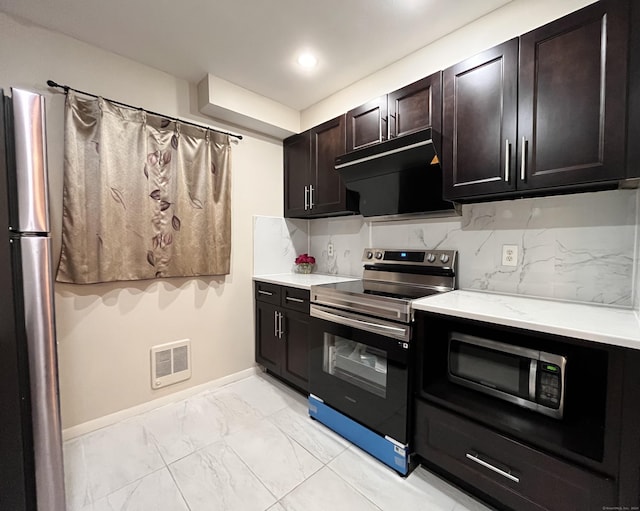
437 258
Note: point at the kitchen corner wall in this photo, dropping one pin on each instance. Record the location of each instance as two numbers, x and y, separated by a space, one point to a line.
105 331
580 247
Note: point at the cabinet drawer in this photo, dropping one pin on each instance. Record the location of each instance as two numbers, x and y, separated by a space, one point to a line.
269 293
506 470
296 299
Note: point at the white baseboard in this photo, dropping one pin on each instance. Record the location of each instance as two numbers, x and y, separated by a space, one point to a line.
108 420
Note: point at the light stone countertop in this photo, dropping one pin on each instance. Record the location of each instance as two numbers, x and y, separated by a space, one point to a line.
301 280
598 323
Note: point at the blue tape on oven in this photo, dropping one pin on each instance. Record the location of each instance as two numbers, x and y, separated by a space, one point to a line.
378 446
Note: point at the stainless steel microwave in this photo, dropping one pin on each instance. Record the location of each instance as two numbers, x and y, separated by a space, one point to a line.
529 378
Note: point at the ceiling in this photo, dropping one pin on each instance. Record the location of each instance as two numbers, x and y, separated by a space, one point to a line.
255 43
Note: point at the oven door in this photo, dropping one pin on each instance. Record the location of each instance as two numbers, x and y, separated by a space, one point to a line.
362 374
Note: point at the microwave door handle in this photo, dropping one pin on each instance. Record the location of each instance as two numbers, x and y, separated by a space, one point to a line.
533 372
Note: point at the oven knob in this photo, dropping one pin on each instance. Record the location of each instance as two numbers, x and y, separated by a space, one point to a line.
444 258
378 255
431 258
369 255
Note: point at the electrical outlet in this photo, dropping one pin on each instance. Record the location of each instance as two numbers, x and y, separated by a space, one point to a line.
510 255
330 249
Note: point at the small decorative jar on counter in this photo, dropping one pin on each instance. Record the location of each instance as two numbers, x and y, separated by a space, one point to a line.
305 263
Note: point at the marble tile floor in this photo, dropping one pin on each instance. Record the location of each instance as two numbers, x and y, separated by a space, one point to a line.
247 446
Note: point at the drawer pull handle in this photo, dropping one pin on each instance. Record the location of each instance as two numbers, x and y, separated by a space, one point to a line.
291 299
476 459
267 293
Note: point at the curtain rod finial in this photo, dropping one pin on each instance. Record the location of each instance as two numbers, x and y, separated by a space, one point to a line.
55 85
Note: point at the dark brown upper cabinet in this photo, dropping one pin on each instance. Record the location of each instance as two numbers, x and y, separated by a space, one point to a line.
572 98
416 106
367 124
297 177
406 110
480 123
570 120
312 187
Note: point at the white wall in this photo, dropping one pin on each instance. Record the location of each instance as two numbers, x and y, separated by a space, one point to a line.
105 331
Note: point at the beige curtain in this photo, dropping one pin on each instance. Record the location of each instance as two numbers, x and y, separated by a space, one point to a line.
144 197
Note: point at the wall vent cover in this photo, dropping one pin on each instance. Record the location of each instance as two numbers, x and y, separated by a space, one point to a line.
170 363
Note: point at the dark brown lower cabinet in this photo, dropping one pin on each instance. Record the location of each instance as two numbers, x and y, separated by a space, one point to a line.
282 332
519 460
507 473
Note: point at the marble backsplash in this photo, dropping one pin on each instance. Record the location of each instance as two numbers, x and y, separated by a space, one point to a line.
276 243
581 247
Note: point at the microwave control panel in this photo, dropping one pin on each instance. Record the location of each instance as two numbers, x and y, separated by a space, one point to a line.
549 385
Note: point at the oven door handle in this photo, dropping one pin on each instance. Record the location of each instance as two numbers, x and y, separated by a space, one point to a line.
343 319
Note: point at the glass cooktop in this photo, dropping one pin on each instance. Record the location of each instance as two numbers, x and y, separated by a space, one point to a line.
392 290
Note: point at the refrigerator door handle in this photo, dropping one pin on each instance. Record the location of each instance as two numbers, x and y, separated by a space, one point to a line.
35 254
31 162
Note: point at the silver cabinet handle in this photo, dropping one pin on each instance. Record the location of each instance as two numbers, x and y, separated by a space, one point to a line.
523 163
476 459
311 204
291 299
275 324
280 331
506 160
267 293
306 198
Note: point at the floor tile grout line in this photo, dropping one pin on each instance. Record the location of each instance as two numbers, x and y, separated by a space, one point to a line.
353 486
179 488
94 499
252 472
291 439
137 480
166 465
302 446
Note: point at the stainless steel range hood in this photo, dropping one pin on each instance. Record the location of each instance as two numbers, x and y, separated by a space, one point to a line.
396 178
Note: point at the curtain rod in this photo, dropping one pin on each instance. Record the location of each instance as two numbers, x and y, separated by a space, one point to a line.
66 89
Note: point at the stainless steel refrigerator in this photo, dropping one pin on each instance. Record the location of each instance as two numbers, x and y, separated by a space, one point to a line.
31 467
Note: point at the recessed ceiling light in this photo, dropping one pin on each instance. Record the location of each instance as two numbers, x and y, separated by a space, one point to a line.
307 60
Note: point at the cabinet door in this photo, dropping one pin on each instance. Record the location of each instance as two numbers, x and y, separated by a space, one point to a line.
295 366
572 98
327 142
416 106
479 123
297 178
268 343
367 124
